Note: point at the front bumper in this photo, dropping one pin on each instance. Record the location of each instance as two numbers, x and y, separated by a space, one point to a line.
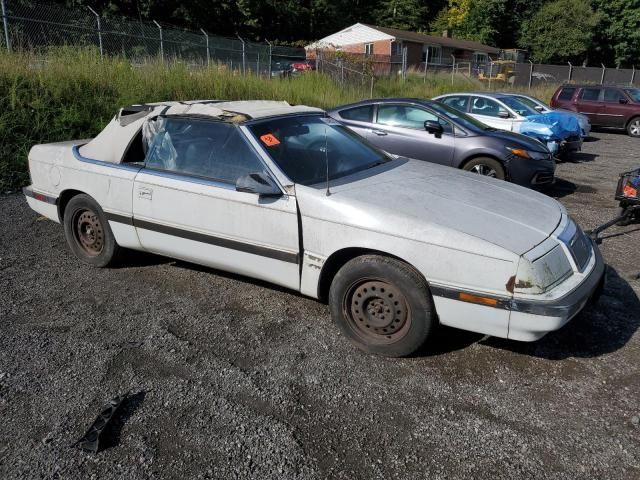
527 173
531 320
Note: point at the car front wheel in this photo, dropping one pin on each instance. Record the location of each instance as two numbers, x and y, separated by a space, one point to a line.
382 305
486 166
88 233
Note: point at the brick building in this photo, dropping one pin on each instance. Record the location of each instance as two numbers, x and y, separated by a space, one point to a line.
380 42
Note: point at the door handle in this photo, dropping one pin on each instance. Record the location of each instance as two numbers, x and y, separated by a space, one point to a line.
145 193
380 133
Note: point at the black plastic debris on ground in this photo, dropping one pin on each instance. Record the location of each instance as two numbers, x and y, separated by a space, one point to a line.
91 440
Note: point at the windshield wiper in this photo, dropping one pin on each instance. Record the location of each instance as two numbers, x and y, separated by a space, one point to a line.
375 164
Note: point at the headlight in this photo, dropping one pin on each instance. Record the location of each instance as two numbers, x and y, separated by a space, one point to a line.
522 153
536 276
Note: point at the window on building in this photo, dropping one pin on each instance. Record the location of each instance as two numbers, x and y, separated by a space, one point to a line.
480 58
368 49
396 48
433 53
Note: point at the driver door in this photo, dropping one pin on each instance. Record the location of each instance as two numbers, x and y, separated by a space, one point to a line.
185 204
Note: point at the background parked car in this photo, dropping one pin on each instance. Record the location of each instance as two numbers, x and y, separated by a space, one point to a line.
427 130
507 113
606 106
540 106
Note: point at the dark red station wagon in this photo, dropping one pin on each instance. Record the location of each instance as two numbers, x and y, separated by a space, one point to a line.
605 105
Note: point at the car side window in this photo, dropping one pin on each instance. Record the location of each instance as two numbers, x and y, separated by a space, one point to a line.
459 103
566 93
358 114
590 94
202 148
488 107
407 116
612 95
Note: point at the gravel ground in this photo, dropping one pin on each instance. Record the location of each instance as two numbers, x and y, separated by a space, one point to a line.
236 379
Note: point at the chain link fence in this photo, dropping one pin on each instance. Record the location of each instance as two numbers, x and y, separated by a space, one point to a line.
35 26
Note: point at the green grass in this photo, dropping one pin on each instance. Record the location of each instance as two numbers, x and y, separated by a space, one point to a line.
69 93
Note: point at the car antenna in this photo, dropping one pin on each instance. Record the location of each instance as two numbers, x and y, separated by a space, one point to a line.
326 158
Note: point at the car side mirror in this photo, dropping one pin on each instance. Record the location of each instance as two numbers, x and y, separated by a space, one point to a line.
623 100
259 183
539 108
433 126
503 114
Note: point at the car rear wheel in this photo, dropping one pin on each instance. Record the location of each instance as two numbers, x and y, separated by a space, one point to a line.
382 305
485 166
633 129
88 233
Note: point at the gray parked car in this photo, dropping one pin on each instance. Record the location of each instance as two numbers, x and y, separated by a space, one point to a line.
434 132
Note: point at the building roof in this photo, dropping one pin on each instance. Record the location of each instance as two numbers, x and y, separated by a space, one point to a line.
363 33
434 39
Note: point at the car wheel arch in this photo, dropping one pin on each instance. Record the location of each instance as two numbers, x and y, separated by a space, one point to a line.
631 120
339 258
64 198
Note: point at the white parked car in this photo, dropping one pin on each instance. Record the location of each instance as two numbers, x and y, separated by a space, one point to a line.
285 194
506 112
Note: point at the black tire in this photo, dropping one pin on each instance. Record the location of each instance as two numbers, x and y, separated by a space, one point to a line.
88 232
486 166
633 127
383 286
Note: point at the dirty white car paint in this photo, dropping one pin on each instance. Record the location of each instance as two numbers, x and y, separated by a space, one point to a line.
498 259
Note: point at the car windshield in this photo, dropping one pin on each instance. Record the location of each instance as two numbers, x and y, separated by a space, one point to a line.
305 147
633 93
517 106
533 103
462 119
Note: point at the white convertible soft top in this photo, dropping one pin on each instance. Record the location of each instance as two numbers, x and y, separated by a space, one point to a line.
111 144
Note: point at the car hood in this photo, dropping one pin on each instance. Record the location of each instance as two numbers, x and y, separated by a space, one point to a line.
423 201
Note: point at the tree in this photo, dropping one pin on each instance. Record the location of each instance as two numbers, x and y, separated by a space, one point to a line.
403 14
561 30
618 35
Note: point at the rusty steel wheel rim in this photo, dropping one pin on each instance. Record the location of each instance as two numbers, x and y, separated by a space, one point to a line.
377 311
88 232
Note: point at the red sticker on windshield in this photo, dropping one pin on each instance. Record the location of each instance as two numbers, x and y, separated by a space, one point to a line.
269 140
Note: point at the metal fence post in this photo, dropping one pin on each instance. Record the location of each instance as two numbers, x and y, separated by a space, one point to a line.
604 69
371 87
453 69
490 72
633 75
244 60
5 23
404 62
530 73
270 54
161 41
206 39
99 27
342 71
426 63
570 71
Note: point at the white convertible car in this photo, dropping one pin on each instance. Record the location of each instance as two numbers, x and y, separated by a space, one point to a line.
285 194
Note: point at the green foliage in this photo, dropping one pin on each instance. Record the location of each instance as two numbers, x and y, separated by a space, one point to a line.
561 29
403 14
618 35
